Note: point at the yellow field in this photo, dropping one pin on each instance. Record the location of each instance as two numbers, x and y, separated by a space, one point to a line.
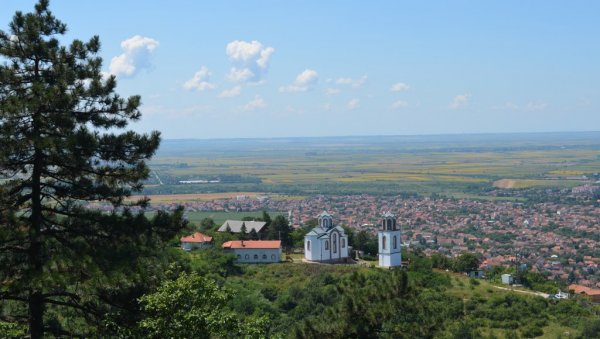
174 198
527 183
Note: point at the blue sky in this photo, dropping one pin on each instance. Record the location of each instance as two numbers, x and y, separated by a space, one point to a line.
227 69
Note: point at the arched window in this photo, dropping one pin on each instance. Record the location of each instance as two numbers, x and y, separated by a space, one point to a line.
256 257
247 256
273 257
383 242
264 257
389 224
308 245
326 244
334 243
395 242
239 256
343 242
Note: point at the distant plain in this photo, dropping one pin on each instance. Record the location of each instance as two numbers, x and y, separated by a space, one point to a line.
452 165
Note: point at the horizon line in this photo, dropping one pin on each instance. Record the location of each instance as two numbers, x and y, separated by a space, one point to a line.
384 135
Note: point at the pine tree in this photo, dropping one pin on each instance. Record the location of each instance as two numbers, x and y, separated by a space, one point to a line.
253 235
244 232
61 148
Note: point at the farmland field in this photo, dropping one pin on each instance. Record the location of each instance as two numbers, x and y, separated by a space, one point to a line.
452 165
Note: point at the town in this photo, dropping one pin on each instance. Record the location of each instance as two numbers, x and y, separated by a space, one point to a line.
554 239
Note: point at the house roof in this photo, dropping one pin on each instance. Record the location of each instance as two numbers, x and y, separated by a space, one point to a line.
196 237
236 226
320 232
579 289
253 244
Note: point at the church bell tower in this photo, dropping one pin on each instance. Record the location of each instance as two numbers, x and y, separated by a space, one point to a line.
389 242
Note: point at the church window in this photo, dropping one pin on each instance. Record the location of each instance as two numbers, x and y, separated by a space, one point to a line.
343 243
389 224
383 240
326 244
335 243
395 240
308 245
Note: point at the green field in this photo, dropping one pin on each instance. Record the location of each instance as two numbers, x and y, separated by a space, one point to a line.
450 165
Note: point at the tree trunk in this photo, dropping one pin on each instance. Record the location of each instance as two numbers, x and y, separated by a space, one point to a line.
36 253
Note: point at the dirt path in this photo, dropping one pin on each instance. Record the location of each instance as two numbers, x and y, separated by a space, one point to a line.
539 294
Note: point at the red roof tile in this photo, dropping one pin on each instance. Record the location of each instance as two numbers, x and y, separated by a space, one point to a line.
253 244
196 237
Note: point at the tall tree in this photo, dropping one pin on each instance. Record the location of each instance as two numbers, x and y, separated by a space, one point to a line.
61 148
280 230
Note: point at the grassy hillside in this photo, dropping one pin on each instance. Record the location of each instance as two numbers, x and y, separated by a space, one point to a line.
310 300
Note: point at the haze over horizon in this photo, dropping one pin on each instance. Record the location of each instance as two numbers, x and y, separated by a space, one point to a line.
272 69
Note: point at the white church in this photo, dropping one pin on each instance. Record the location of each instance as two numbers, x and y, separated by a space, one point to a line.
390 242
326 242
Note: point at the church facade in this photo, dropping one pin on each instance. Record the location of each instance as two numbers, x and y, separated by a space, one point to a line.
326 242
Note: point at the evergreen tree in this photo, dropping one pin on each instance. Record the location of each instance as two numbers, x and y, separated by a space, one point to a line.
244 232
280 230
253 235
61 148
207 224
266 218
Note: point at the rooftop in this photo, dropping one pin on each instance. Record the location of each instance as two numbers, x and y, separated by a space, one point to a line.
253 244
196 237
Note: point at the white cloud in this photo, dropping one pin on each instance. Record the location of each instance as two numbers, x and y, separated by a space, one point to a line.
399 104
399 87
352 104
138 50
304 81
200 81
240 74
331 91
352 82
230 93
250 60
327 107
460 101
256 103
535 106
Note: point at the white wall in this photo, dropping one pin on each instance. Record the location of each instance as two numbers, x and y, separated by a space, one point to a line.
188 246
318 252
273 255
390 256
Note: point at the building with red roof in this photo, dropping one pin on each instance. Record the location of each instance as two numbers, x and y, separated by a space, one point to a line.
592 293
254 251
196 240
